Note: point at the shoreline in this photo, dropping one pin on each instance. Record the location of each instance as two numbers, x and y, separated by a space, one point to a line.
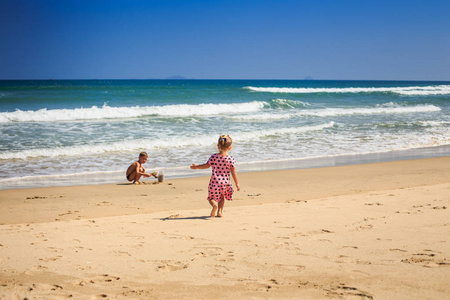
83 201
111 177
370 231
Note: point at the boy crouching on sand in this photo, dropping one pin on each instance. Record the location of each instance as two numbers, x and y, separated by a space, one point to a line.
136 169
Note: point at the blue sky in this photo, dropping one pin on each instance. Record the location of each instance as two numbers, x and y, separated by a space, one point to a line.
263 39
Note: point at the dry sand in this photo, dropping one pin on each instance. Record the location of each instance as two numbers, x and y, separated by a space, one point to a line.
374 231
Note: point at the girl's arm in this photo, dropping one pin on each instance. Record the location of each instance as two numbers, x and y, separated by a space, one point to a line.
235 178
204 166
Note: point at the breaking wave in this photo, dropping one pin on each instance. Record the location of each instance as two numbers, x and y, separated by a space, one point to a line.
410 91
204 140
107 112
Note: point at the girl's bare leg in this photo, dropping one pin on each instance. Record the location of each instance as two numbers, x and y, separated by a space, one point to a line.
214 208
221 205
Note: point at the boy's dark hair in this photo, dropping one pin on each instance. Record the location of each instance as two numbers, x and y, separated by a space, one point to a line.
143 154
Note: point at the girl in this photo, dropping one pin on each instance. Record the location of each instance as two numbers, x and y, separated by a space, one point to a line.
220 187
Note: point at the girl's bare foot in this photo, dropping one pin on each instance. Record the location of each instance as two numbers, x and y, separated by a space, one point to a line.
214 210
221 204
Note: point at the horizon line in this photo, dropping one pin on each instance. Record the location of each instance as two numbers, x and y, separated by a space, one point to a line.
193 79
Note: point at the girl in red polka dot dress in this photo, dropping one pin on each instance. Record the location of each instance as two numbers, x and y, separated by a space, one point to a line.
222 165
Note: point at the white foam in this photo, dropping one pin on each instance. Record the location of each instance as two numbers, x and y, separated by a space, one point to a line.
277 132
58 176
82 150
433 123
388 108
167 143
106 112
260 117
328 112
412 90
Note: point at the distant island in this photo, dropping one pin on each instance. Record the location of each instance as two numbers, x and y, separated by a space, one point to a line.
179 77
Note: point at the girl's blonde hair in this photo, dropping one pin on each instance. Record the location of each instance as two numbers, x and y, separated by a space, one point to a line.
224 142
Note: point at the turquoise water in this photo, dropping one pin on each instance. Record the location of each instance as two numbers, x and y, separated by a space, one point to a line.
81 132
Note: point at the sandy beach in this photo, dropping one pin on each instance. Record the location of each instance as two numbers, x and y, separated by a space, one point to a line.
372 231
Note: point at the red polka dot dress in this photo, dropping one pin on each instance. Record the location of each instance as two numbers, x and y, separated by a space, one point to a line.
220 185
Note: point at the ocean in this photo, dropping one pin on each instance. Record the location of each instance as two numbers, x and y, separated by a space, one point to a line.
58 132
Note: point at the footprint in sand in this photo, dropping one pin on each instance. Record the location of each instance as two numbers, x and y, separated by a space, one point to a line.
39 235
36 197
55 249
169 266
48 259
293 268
296 234
353 247
320 231
440 207
100 278
56 287
396 249
69 213
372 204
337 291
210 251
218 270
226 257
134 293
122 253
44 287
109 278
296 201
345 291
364 227
178 236
428 260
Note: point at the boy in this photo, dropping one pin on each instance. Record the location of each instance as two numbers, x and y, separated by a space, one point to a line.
136 169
